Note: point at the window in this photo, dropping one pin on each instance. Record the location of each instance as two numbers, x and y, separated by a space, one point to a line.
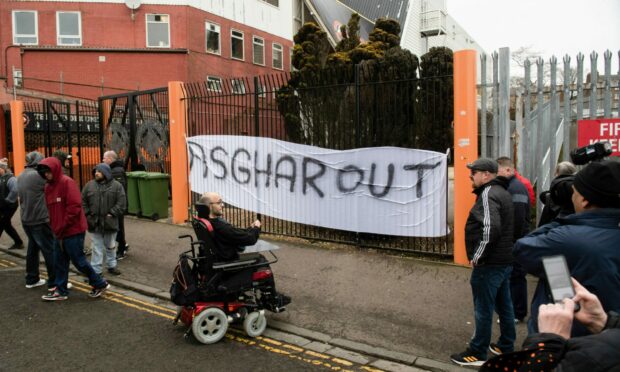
214 84
25 28
277 56
236 42
69 28
275 3
258 50
213 38
238 86
158 31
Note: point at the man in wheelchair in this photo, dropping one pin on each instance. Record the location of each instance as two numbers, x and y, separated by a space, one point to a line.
229 241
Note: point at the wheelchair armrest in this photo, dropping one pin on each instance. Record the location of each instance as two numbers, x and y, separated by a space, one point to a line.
186 236
233 265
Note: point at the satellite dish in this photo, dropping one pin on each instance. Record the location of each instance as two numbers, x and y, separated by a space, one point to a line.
133 4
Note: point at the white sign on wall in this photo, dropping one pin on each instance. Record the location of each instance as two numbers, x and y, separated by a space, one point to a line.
381 190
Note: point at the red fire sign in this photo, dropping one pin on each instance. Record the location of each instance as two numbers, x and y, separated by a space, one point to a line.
591 131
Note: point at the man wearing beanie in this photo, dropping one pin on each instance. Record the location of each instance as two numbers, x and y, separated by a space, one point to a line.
589 239
103 200
35 221
8 205
488 241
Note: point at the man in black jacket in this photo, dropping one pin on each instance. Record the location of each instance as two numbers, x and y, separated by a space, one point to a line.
488 240
521 205
118 173
229 240
8 205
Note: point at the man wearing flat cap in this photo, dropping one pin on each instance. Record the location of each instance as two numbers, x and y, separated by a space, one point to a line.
488 240
589 239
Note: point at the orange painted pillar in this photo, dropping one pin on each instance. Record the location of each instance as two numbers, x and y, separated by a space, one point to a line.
465 145
17 132
179 166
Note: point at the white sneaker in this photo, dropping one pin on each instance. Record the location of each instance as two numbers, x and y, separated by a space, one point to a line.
69 285
37 284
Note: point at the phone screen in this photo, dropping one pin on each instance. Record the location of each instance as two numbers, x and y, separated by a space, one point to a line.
558 278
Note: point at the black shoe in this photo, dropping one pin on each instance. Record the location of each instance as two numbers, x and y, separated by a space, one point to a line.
114 271
121 256
97 292
494 349
467 358
17 246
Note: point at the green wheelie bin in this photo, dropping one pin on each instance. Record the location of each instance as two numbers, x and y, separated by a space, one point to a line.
133 197
153 190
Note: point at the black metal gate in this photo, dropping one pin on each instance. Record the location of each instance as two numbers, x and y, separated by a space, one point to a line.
135 126
52 127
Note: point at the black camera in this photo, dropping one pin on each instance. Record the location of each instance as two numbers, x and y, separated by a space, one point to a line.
593 152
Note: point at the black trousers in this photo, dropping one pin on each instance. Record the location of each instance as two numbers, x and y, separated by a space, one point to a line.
518 291
5 224
120 235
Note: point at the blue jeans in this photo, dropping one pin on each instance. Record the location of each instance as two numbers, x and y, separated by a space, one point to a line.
72 249
490 287
103 244
518 291
40 239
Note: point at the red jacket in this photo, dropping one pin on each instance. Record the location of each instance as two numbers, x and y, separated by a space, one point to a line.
64 202
528 186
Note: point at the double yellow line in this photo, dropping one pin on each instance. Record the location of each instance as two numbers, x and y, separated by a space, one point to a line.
264 343
7 263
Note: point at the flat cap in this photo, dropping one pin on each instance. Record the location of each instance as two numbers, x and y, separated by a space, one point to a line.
484 164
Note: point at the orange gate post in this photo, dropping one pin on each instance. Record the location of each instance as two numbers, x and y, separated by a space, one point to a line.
465 145
179 176
17 132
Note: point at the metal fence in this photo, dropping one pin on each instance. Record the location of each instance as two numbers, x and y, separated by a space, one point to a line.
136 127
354 110
535 120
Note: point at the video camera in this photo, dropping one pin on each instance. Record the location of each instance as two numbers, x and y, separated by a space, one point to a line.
593 152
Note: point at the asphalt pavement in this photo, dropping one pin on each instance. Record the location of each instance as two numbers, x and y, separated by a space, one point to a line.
412 311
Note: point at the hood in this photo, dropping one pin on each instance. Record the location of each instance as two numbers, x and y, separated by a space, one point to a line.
105 170
33 158
54 165
117 163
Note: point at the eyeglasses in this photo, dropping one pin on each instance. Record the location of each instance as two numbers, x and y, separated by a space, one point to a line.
221 202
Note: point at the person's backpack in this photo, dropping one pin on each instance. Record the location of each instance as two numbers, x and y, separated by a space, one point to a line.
183 290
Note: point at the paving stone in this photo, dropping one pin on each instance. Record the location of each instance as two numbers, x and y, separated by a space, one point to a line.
374 351
348 355
434 365
286 337
386 365
306 333
319 347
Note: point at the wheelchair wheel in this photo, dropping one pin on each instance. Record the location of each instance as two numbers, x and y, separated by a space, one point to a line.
254 324
210 325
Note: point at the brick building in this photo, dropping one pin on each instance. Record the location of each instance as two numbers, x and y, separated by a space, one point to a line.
89 48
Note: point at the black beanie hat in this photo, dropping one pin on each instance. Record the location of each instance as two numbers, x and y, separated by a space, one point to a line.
599 183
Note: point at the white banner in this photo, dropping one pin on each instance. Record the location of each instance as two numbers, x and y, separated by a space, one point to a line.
381 190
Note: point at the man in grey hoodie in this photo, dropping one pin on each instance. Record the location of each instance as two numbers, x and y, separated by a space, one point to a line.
103 201
8 204
36 222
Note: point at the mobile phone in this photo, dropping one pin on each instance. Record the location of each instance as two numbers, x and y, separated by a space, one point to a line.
558 279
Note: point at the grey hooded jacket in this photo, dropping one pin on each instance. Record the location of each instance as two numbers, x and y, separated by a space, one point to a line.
103 202
31 191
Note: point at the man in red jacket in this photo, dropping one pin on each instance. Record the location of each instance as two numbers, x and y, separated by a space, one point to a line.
64 204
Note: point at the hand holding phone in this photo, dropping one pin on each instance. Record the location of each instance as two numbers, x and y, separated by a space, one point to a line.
558 279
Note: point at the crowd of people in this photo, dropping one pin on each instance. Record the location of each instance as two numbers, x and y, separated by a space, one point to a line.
55 216
581 221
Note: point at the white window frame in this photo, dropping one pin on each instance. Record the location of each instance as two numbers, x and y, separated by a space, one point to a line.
58 36
242 38
237 86
36 27
274 5
146 21
219 37
254 43
214 79
273 50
